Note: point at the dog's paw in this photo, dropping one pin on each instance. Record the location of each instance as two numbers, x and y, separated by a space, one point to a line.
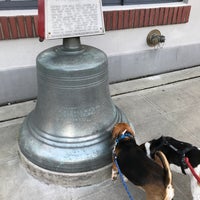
114 175
114 178
125 179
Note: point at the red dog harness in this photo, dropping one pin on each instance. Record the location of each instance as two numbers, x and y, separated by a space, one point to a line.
192 169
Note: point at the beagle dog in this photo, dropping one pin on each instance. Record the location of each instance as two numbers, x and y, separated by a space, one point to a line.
155 179
176 151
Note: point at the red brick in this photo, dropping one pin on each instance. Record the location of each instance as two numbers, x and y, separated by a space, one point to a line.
29 26
179 16
170 15
125 19
151 16
174 19
13 28
5 28
165 17
141 20
114 20
120 19
146 19
136 19
35 18
107 18
21 26
1 34
186 14
131 18
161 16
1 31
156 16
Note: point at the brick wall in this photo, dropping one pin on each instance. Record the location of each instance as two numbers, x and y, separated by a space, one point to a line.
16 27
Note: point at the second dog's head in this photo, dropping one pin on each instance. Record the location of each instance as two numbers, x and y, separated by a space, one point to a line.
168 145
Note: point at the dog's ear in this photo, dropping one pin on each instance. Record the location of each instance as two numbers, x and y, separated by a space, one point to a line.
119 129
158 158
161 159
116 131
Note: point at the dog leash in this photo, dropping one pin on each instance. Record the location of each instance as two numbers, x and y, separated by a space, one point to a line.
192 169
122 179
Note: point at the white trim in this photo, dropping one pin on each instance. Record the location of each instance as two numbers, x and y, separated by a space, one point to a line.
133 7
18 12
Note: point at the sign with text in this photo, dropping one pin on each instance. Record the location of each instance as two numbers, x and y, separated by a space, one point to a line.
71 18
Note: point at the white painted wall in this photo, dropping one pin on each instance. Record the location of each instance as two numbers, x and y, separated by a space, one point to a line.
128 54
24 51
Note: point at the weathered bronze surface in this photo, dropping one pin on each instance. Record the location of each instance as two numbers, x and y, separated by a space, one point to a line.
70 128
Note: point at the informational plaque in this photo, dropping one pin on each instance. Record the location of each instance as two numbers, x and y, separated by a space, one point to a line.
71 18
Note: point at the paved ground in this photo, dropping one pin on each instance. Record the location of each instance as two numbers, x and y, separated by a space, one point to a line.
167 104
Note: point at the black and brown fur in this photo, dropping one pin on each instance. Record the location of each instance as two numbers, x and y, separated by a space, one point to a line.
175 150
154 178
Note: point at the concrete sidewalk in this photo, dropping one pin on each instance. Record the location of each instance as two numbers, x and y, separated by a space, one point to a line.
166 104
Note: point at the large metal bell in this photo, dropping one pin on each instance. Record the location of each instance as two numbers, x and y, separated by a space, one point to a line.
69 131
